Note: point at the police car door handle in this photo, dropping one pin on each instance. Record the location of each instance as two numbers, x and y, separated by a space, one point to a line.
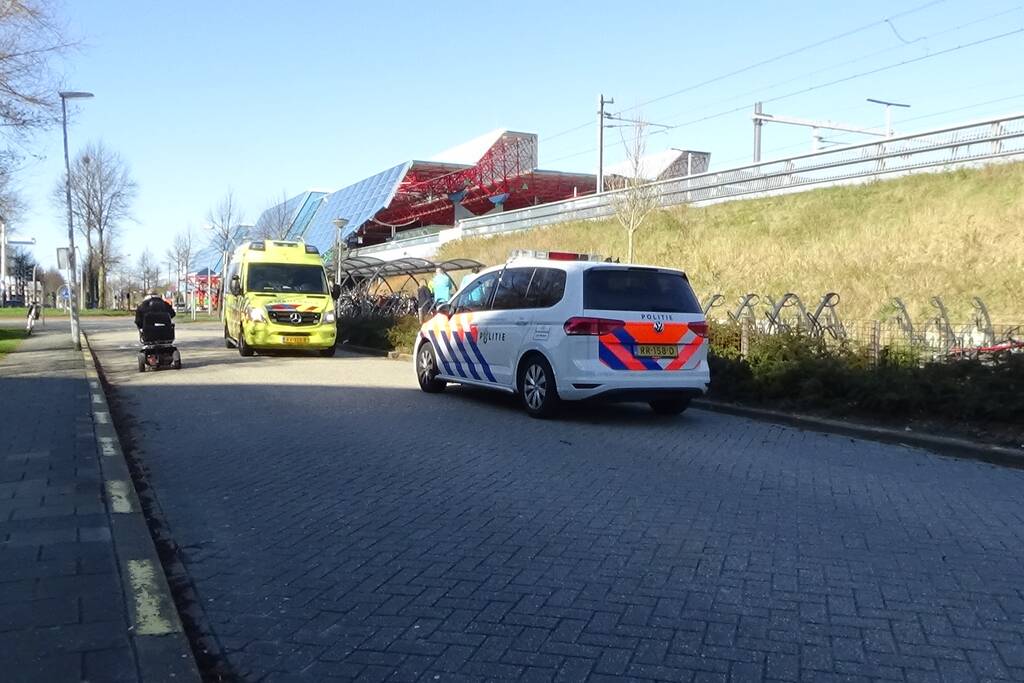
522 321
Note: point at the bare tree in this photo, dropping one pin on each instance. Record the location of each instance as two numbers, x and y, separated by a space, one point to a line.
275 220
102 192
149 270
53 280
224 220
635 197
180 254
30 39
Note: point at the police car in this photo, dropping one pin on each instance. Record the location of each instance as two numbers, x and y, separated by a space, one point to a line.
554 326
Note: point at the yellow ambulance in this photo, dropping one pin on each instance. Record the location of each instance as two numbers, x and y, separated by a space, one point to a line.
278 297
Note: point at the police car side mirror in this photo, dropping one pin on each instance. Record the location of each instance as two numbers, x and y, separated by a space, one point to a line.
335 291
445 309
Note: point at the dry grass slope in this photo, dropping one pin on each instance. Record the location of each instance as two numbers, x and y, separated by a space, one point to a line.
956 234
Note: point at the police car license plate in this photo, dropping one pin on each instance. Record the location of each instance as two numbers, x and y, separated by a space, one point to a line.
295 340
656 351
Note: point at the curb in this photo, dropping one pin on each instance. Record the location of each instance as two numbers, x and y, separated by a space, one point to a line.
161 649
960 448
363 350
377 353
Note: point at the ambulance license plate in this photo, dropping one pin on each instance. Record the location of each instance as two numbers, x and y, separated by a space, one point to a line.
295 340
656 351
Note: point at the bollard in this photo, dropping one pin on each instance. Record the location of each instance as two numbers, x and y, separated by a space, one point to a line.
744 338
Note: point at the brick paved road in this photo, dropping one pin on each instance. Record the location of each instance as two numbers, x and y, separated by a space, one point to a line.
62 614
339 523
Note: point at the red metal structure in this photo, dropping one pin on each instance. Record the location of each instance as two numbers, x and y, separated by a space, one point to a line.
502 173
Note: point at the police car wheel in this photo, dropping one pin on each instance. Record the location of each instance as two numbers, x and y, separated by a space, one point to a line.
670 406
142 362
537 388
426 370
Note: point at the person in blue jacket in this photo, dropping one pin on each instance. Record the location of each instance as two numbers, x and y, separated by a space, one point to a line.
442 287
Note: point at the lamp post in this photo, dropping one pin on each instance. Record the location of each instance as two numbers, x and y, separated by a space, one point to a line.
66 95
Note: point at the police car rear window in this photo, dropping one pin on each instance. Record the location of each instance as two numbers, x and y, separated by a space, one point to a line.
637 289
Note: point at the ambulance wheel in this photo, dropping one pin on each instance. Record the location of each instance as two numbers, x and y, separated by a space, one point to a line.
328 352
228 344
243 347
142 362
426 370
176 360
537 387
670 406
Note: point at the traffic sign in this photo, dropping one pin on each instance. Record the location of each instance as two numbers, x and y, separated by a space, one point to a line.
64 293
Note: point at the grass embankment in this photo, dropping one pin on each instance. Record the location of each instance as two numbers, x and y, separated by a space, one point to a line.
957 234
9 339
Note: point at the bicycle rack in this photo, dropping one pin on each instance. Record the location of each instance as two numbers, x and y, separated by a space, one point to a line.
711 302
745 309
788 300
983 321
827 308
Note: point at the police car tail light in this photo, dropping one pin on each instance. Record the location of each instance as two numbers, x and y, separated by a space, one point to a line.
596 327
700 328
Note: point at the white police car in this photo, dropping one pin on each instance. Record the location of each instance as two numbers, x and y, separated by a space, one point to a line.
554 326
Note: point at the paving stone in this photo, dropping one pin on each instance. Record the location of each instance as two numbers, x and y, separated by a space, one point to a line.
607 544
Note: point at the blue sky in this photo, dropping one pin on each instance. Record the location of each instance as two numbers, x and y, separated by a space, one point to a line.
269 97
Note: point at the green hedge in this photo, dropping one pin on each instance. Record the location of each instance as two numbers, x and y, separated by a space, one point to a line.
796 371
387 334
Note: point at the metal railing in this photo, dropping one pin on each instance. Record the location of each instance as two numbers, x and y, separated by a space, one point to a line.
968 144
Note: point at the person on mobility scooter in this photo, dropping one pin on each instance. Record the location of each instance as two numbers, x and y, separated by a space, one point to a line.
156 333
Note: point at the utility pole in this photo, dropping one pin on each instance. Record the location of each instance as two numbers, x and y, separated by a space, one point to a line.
757 132
601 116
888 113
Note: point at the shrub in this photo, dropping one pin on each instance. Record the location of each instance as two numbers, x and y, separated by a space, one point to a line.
379 332
797 371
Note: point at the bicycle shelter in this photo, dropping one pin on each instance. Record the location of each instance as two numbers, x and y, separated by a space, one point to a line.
363 273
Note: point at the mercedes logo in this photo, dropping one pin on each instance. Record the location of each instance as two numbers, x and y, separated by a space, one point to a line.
659 326
295 318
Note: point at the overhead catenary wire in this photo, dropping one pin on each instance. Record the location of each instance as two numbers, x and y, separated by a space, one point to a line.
755 65
818 86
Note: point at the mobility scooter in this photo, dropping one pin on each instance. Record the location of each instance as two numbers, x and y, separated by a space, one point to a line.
157 338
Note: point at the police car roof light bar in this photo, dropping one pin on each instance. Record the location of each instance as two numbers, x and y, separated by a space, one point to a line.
554 255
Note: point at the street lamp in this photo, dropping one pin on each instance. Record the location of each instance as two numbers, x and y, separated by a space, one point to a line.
66 95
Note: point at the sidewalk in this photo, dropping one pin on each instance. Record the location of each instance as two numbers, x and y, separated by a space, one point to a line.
63 612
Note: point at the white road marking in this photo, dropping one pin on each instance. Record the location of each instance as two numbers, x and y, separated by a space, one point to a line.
120 500
102 417
148 611
107 446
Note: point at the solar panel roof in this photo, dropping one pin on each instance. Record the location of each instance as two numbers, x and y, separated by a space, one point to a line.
356 203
